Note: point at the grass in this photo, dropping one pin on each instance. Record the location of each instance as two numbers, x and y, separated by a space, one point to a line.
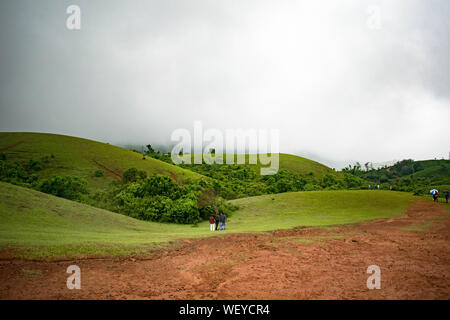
38 225
82 157
318 208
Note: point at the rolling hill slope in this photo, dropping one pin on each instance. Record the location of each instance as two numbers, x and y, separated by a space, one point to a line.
81 157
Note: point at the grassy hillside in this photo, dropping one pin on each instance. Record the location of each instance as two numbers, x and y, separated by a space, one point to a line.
296 164
436 170
294 174
34 224
409 175
293 164
318 208
81 157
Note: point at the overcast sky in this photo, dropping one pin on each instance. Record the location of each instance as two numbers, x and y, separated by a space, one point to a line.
342 80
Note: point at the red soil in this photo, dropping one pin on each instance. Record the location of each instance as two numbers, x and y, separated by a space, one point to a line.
108 171
12 146
304 263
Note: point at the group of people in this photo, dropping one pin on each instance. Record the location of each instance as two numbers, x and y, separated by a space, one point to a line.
436 195
218 222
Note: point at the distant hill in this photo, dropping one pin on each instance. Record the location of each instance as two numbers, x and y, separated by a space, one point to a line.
292 163
303 166
409 175
294 174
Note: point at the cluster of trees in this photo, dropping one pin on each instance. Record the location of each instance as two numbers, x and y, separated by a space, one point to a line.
236 181
25 174
159 198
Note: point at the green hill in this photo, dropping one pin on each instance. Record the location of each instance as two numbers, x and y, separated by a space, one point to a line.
318 208
409 175
436 170
294 174
37 225
292 163
81 157
300 165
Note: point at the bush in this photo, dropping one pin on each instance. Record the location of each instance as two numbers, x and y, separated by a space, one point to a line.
34 165
2 156
132 175
98 173
15 173
71 188
184 211
311 187
158 184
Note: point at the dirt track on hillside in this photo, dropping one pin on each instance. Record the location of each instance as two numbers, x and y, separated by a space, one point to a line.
12 146
108 171
303 263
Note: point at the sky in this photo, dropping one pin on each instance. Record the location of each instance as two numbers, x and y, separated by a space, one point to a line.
342 81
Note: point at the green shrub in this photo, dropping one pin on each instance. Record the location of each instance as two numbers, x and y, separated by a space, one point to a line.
16 173
34 165
98 173
158 184
184 211
71 188
132 175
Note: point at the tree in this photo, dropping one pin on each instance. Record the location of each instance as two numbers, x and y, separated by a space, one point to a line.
150 149
132 175
71 188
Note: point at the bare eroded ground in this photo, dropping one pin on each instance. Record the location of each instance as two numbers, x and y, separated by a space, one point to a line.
413 252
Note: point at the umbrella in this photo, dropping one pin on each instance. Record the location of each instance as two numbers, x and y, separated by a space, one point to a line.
433 191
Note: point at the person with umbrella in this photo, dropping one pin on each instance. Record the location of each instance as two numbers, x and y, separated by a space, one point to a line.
435 194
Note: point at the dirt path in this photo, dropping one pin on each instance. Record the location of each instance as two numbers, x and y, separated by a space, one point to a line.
413 252
12 146
108 171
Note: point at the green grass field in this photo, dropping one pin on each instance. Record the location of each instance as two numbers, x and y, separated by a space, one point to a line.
318 208
82 157
37 225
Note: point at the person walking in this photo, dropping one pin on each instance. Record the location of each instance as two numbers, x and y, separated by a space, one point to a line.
223 219
446 196
212 223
